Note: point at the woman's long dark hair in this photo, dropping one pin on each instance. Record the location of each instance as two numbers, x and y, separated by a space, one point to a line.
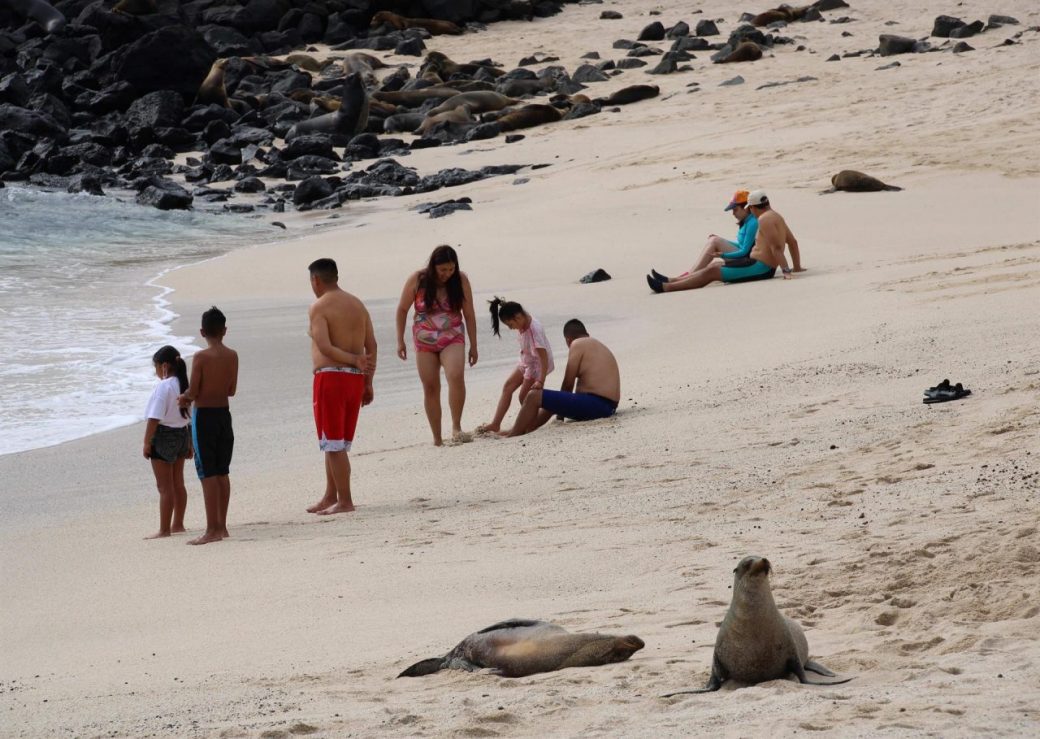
504 309
428 282
169 355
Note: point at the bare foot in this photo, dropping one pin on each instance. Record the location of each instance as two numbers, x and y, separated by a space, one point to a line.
206 538
224 534
160 535
438 442
461 437
336 508
321 505
487 428
177 529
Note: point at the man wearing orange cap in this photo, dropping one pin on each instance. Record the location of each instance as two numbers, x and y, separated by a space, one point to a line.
720 247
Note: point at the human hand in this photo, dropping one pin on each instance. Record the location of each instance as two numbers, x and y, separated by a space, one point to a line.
472 355
361 362
402 350
147 451
798 269
537 385
368 394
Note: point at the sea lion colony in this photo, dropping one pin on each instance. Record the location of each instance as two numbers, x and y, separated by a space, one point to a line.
98 107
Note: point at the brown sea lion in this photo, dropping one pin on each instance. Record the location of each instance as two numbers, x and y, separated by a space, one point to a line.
477 102
746 51
458 114
756 642
529 116
627 95
307 63
521 647
850 180
212 90
446 68
770 16
516 88
399 22
415 98
359 61
403 122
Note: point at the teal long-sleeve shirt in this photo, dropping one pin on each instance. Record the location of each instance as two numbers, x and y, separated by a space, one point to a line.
745 238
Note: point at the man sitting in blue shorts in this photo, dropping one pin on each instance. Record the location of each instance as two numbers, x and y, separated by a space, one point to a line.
592 366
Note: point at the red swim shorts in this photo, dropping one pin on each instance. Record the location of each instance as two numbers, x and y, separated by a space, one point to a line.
337 402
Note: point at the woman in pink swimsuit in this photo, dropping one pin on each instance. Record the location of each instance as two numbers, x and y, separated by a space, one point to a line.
442 300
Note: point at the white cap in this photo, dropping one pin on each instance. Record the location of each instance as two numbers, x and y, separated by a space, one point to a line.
757 197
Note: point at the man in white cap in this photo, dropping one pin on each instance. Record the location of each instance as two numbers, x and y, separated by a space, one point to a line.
768 254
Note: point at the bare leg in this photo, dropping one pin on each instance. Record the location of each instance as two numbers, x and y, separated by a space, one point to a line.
530 416
453 359
180 498
339 462
711 273
429 366
225 501
211 496
525 388
330 491
715 247
163 472
514 381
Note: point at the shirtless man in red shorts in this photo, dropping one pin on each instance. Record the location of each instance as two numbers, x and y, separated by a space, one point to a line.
343 352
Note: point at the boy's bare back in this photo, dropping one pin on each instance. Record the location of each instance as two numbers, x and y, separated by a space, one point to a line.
214 376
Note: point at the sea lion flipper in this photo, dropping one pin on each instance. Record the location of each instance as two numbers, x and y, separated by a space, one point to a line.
818 668
893 188
807 681
513 623
424 667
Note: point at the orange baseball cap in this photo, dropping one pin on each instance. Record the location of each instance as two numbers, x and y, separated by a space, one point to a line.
739 198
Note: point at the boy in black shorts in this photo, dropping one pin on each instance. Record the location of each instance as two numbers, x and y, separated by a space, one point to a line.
214 376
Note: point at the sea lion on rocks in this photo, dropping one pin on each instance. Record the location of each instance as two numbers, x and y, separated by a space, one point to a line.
458 114
746 51
850 180
529 116
521 647
359 61
415 98
349 120
50 19
307 63
756 642
212 90
627 95
477 102
400 23
446 68
403 122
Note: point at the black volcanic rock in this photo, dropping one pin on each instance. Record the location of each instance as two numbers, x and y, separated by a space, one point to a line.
173 58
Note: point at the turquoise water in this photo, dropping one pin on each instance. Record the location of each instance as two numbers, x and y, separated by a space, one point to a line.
79 317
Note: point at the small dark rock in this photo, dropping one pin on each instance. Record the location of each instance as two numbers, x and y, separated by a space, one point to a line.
610 15
1003 20
706 28
596 275
944 24
890 45
588 73
165 195
833 58
738 80
311 189
514 137
679 30
962 46
892 65
250 184
967 31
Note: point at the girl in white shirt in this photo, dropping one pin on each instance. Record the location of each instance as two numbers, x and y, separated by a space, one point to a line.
167 439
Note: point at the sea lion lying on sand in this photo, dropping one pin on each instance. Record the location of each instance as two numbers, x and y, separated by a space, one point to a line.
477 102
399 22
415 98
458 114
850 180
756 642
627 95
746 51
520 647
528 116
784 13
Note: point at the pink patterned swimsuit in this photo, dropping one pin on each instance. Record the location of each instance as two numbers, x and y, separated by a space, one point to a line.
437 329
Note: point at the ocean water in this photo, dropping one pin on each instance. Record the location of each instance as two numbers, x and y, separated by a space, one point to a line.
80 315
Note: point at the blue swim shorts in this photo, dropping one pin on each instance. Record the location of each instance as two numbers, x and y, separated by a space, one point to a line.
577 406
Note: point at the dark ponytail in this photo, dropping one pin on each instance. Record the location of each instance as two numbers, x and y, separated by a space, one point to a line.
169 355
504 310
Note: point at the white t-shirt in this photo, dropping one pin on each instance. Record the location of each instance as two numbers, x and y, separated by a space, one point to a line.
163 404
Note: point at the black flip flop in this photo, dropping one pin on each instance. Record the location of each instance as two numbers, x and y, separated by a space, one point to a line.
944 395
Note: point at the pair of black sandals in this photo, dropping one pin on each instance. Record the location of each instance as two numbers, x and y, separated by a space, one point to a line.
944 392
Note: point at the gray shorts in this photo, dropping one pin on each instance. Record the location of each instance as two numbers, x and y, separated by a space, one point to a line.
170 444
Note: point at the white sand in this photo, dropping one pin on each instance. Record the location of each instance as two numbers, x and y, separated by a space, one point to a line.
780 418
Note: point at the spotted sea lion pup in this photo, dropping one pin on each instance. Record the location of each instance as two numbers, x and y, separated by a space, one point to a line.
756 642
850 180
521 647
399 23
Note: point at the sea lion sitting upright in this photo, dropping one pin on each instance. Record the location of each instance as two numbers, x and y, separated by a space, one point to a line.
212 90
756 642
399 23
746 51
521 647
349 120
850 180
50 18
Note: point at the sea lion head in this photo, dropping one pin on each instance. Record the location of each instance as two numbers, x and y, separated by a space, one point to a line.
625 647
751 579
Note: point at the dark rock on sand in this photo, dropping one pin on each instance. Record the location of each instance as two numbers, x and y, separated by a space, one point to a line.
679 30
1002 20
967 30
310 190
652 32
316 144
962 46
447 207
610 15
250 185
164 194
738 80
596 275
146 63
588 73
706 28
20 120
944 24
630 63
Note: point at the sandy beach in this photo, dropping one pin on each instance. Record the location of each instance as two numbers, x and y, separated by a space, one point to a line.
781 418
